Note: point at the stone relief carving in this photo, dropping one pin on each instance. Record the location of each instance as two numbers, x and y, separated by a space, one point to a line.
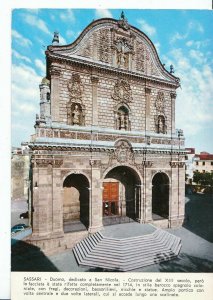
95 163
104 46
160 118
160 124
75 108
124 153
75 114
122 92
124 48
159 104
122 118
43 163
140 57
75 88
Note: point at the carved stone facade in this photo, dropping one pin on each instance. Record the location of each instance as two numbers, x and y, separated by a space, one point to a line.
105 143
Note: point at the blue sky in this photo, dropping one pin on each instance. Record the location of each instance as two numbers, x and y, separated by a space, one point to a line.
182 38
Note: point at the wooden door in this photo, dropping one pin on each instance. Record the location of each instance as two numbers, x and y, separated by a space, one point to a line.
110 198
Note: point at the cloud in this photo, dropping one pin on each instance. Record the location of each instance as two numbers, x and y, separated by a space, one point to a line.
178 36
193 107
25 88
191 26
62 40
103 13
24 42
33 20
148 29
67 16
197 56
157 46
198 44
21 57
70 33
195 25
25 101
41 66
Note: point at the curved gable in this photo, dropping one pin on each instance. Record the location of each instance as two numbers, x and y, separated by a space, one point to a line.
116 44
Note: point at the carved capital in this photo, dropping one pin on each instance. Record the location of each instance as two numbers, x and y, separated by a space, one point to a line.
181 164
147 163
173 164
95 163
147 90
173 95
94 79
55 71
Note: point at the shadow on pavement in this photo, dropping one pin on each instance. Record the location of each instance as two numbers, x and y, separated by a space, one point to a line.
198 215
25 257
187 263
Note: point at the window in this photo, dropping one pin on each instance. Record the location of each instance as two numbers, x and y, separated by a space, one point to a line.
197 163
203 171
203 163
211 163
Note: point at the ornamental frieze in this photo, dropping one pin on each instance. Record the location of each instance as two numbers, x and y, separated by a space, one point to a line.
43 163
122 91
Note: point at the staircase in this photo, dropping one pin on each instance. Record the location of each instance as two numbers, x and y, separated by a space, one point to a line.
128 253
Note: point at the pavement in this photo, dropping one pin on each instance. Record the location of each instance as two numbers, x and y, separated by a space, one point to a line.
196 254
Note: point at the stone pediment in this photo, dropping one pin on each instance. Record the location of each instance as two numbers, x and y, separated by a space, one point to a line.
117 44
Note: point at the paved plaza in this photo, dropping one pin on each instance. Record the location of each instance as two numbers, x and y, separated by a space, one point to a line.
196 254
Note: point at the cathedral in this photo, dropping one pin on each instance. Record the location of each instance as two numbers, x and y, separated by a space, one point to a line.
105 148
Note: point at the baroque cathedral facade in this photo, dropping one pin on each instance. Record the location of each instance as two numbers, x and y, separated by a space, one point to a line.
105 148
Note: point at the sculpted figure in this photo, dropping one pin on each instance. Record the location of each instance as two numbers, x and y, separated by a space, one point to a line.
76 115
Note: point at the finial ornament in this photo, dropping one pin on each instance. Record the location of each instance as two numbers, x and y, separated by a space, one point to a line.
123 23
122 15
55 40
172 69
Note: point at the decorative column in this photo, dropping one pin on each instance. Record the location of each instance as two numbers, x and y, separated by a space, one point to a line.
95 209
173 96
148 101
55 74
94 80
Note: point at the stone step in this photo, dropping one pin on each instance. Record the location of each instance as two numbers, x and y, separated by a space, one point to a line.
129 253
121 256
134 264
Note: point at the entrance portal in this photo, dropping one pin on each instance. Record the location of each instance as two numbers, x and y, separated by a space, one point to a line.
76 201
121 193
160 196
110 198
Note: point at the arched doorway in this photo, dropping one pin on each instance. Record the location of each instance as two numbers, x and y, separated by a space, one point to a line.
121 195
75 202
160 196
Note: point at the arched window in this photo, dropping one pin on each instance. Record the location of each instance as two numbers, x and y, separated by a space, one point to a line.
122 121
